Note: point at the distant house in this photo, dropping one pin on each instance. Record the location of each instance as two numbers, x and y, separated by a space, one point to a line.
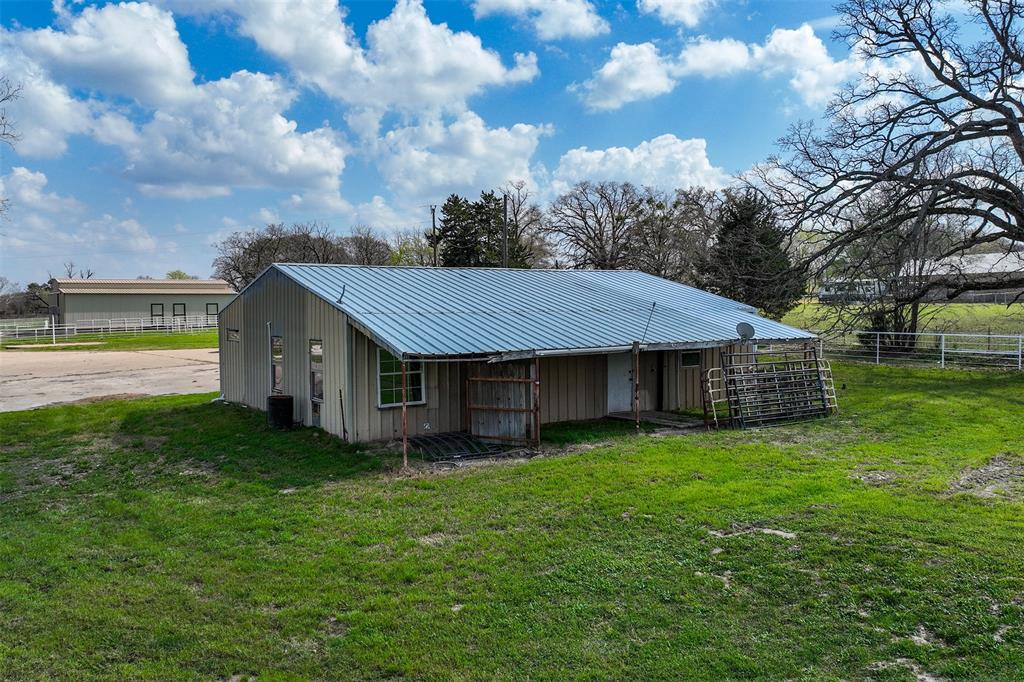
492 352
985 269
158 302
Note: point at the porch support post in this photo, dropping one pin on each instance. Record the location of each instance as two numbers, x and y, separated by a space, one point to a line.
536 400
636 383
405 421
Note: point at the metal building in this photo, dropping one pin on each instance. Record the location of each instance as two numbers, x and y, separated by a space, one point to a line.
158 302
372 353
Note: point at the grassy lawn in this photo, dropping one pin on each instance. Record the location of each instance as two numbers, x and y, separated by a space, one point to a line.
146 341
982 318
173 538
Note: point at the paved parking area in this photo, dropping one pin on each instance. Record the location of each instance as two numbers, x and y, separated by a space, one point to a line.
33 379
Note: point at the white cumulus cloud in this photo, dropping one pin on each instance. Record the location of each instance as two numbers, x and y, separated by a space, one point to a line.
666 161
685 12
424 162
632 73
409 62
131 49
639 72
184 140
26 190
551 19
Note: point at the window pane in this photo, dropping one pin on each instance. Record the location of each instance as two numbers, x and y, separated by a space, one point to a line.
211 309
234 335
179 309
276 348
316 354
316 385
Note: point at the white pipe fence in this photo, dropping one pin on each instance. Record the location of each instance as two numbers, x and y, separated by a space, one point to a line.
963 350
99 328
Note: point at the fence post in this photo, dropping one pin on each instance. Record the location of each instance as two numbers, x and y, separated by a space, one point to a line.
53 330
1020 352
942 356
878 348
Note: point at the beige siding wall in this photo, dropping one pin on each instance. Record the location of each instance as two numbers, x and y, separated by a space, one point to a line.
444 384
683 389
297 316
75 308
573 388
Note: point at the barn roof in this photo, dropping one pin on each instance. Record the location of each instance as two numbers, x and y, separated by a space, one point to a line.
436 312
141 286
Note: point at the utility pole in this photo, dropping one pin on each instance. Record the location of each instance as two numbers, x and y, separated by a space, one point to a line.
433 231
504 232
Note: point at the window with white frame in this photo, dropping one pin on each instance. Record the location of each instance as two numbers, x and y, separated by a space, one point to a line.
277 363
316 370
389 381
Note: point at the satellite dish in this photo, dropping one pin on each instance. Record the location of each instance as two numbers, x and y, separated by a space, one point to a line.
745 330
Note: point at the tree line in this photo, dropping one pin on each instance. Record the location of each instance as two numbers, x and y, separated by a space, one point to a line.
729 242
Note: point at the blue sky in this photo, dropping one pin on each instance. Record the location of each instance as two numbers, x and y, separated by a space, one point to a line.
150 130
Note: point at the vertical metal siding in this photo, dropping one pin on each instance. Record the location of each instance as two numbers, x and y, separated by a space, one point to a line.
573 388
75 308
443 385
298 316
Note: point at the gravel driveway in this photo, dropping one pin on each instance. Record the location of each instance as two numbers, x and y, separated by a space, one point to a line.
33 379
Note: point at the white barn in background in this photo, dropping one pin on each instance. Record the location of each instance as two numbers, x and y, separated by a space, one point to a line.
159 302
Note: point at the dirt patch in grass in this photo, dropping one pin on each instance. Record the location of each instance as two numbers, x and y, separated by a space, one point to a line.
100 398
140 442
747 530
874 476
435 539
29 476
919 673
1002 478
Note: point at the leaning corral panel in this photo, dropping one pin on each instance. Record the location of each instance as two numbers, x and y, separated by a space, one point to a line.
759 388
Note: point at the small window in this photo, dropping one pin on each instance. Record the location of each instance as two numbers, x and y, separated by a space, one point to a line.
156 309
234 336
316 370
277 363
178 310
689 359
389 380
212 308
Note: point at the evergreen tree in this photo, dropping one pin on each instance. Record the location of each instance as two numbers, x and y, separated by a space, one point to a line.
748 261
461 245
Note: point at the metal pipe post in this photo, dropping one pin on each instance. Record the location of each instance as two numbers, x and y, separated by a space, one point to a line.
405 421
636 383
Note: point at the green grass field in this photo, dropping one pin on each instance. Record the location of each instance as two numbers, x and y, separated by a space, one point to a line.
981 318
146 341
174 538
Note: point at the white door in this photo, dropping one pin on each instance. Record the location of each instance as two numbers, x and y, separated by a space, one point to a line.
620 382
